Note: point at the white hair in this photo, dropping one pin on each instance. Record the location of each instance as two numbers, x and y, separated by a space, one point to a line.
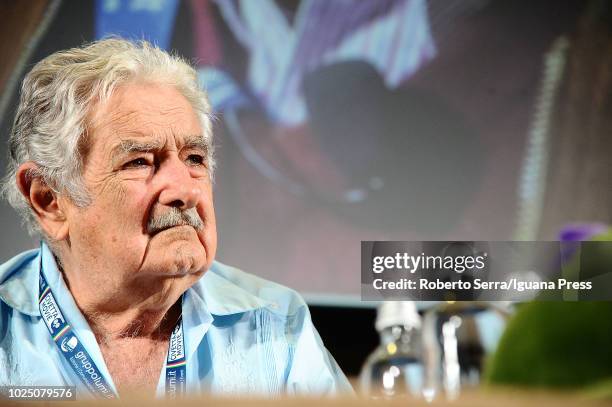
50 127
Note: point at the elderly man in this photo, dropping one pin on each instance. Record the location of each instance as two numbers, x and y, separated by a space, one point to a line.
112 164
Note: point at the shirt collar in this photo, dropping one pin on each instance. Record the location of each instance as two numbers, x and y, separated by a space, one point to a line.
224 293
19 282
221 291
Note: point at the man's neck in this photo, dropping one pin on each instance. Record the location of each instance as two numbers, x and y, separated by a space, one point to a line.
133 313
134 349
154 325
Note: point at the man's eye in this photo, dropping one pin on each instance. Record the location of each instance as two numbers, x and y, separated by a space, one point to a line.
195 159
137 163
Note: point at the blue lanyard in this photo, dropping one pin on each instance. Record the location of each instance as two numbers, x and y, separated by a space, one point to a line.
82 363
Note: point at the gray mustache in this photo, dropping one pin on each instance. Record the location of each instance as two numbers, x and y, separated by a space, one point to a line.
175 217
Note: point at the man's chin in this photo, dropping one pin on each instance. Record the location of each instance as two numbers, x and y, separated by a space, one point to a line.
179 267
176 252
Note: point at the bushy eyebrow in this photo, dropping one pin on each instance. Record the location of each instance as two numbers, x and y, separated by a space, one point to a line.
196 142
135 146
126 147
129 146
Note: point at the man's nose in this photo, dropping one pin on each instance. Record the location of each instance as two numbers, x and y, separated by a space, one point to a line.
179 189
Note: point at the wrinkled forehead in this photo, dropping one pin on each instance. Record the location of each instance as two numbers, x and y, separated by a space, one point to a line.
155 114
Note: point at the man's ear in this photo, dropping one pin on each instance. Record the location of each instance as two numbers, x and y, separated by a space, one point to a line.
45 202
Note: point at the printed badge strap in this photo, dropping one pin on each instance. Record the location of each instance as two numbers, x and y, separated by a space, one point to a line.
83 365
176 365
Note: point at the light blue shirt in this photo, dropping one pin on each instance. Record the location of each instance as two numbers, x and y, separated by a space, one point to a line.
243 335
